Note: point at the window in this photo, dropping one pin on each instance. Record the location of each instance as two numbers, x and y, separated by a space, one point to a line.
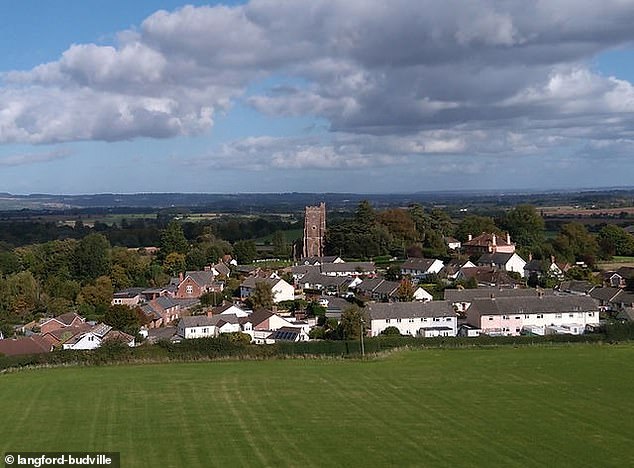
411 320
526 316
540 315
448 319
505 317
490 318
398 320
590 314
571 315
517 317
557 315
189 289
387 320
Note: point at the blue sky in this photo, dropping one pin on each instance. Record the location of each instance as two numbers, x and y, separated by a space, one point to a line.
337 96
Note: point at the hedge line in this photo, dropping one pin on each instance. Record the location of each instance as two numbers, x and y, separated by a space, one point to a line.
228 348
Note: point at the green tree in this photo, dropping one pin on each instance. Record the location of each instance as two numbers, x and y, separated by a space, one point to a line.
526 226
365 214
614 240
262 296
574 243
92 257
124 318
353 322
173 240
391 331
245 251
174 263
476 225
97 296
281 248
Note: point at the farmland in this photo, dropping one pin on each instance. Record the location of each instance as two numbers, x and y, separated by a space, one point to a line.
528 406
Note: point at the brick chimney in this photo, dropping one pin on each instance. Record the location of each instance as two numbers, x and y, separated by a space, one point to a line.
180 277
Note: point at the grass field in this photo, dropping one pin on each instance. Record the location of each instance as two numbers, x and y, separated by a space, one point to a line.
525 407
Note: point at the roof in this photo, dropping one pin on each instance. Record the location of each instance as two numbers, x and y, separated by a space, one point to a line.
485 239
201 278
390 310
166 302
422 264
626 272
251 281
352 267
321 260
61 335
222 269
259 316
497 258
576 286
314 277
534 265
468 295
487 275
532 305
285 334
28 345
604 294
128 293
197 321
117 335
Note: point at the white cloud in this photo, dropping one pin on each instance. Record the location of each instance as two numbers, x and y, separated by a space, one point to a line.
21 159
393 79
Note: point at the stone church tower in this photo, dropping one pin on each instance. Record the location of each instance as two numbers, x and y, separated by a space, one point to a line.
314 230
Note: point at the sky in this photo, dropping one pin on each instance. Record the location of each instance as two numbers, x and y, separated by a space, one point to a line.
362 96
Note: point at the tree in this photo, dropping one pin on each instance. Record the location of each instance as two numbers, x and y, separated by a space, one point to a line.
365 214
574 242
245 251
97 296
262 296
173 240
391 331
174 263
476 225
124 318
92 257
405 291
353 322
281 248
614 240
526 226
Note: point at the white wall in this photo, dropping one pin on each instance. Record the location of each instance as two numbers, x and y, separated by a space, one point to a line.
412 325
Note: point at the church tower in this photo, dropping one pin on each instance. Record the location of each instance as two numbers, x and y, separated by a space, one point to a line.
314 230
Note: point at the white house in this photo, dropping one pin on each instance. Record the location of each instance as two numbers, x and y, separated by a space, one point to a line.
434 318
419 268
198 326
282 291
422 295
511 316
504 261
97 335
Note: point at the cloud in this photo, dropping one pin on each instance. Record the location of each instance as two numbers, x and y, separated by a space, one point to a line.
32 158
393 80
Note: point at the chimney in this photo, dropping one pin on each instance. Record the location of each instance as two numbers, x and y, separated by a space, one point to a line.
180 277
552 259
508 238
207 268
495 239
469 237
530 256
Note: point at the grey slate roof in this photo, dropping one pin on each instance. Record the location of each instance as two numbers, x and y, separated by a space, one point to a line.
604 294
532 305
197 321
468 295
352 267
166 302
420 264
396 310
576 286
497 258
202 278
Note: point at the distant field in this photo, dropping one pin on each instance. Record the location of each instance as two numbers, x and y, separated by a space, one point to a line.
617 262
511 407
567 210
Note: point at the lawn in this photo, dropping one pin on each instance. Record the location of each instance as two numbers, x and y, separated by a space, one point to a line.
568 405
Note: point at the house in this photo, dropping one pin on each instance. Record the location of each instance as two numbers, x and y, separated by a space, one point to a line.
604 297
319 282
227 309
487 277
420 268
263 319
453 266
198 326
488 243
461 299
539 268
581 288
452 243
619 278
379 289
510 262
289 334
282 291
427 319
512 316
96 336
194 284
61 335
68 320
129 297
161 311
34 344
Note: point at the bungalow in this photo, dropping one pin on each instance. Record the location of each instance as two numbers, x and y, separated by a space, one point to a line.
453 266
317 281
129 297
427 319
511 316
379 289
197 326
604 297
452 243
487 277
619 278
420 268
96 336
321 260
348 269
504 261
289 334
581 288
